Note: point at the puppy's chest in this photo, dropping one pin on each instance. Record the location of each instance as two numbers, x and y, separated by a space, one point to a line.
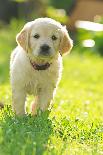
40 80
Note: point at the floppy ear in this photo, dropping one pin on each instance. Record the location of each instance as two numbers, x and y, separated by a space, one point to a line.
66 43
22 38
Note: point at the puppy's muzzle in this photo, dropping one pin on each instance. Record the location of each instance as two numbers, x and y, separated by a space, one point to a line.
45 50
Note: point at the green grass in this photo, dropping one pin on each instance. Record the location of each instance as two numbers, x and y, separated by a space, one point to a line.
75 124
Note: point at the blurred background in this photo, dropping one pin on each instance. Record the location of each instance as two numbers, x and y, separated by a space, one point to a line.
83 18
75 125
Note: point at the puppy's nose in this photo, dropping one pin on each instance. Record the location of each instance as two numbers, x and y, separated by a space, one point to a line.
45 48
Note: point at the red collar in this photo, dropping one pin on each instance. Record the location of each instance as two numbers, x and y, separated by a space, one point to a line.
40 67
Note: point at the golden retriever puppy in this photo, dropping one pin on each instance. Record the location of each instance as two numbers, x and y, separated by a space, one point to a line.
36 63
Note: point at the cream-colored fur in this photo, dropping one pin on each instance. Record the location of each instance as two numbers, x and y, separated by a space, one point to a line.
24 78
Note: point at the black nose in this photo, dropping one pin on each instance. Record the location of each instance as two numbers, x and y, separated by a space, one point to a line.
45 48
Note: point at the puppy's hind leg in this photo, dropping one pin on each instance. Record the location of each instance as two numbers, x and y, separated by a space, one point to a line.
18 99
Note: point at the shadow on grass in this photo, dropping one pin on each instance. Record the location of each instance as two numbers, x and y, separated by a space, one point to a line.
24 135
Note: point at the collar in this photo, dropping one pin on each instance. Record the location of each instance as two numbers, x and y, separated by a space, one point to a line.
40 67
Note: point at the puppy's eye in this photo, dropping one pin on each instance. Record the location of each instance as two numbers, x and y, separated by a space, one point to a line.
37 36
54 37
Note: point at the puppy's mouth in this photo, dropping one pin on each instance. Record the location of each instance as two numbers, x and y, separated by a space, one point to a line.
40 66
46 55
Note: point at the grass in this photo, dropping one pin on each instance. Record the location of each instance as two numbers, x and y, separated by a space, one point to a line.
75 124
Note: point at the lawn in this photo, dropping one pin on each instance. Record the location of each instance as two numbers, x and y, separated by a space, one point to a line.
74 126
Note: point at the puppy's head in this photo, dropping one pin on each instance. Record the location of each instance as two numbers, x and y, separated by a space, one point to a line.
44 38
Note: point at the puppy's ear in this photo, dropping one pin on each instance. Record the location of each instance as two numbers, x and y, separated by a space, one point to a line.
23 37
66 43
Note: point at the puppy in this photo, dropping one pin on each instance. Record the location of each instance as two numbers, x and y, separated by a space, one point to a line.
36 63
